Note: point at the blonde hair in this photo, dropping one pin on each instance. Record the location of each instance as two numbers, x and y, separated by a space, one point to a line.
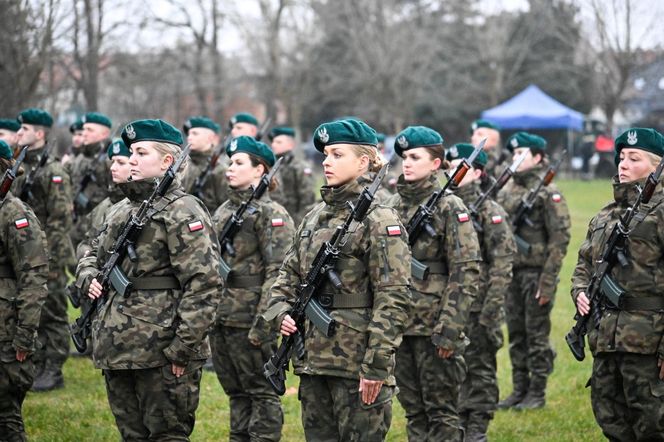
173 150
654 158
375 159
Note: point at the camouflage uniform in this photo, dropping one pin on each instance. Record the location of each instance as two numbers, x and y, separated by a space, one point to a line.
528 323
498 158
429 385
479 393
215 189
296 186
96 189
52 203
96 220
23 273
164 320
370 310
626 392
260 245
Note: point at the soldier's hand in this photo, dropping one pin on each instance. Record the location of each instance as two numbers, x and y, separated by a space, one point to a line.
177 370
445 353
582 303
95 289
288 326
369 390
21 355
542 300
660 364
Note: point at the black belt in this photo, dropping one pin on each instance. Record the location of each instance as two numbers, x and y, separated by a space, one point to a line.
155 283
236 281
7 272
647 303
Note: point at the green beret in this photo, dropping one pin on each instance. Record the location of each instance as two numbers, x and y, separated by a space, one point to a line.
76 125
151 130
5 150
524 139
34 116
117 147
416 136
249 145
282 130
465 150
350 131
9 124
243 117
380 137
203 122
640 138
483 123
98 118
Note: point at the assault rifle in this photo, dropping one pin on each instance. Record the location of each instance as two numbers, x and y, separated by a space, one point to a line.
112 274
234 223
263 129
10 174
496 186
81 201
526 205
421 220
601 287
26 191
322 270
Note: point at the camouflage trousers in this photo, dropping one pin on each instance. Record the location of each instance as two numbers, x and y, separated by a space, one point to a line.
528 327
429 390
628 397
15 381
152 404
332 410
53 331
479 393
256 412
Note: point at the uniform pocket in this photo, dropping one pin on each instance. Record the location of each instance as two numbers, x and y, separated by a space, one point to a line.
7 317
153 306
657 388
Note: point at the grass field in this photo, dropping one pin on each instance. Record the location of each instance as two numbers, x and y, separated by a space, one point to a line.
80 412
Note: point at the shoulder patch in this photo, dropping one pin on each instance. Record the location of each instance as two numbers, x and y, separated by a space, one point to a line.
57 179
21 223
556 198
195 226
394 230
277 222
463 217
496 219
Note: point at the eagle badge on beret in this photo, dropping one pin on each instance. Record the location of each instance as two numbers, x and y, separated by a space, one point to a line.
515 142
116 148
20 118
631 138
402 141
232 146
233 121
323 136
131 133
474 125
454 152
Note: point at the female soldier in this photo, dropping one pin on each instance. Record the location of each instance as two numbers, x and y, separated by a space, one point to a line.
347 380
430 363
151 343
23 274
627 383
479 393
241 340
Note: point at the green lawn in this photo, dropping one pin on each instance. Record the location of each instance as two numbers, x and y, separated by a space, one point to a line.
81 412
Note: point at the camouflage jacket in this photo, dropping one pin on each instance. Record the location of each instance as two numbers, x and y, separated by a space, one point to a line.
497 159
549 234
296 186
24 266
374 267
96 219
151 328
442 302
260 245
215 189
634 331
52 203
87 162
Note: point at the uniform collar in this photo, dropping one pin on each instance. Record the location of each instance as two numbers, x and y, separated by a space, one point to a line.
530 177
338 196
625 194
237 196
91 150
416 191
198 157
138 191
470 192
33 156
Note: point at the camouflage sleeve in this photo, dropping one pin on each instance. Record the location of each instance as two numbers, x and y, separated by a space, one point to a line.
275 234
219 184
557 224
463 255
59 218
195 262
389 272
26 242
499 250
584 268
305 191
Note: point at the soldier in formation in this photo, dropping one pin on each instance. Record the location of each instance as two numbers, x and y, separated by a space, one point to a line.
430 366
8 132
627 383
497 157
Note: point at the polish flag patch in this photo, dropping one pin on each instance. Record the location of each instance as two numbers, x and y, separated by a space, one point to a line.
277 222
463 217
496 219
556 197
196 226
21 223
57 179
393 230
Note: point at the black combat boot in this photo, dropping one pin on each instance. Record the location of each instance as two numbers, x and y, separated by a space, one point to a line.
520 382
49 379
535 397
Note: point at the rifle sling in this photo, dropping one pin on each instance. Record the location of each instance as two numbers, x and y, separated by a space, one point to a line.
236 281
7 272
339 300
647 303
155 283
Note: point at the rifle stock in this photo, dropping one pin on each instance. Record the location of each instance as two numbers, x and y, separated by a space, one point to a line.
11 173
